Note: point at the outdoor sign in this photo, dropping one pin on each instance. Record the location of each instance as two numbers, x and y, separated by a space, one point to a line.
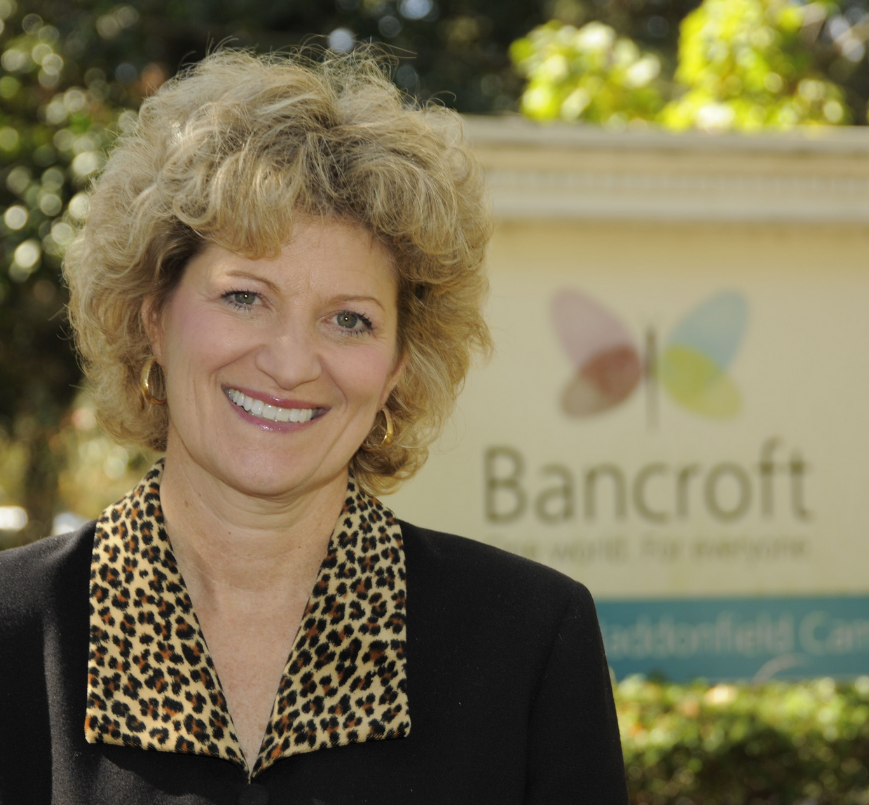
678 417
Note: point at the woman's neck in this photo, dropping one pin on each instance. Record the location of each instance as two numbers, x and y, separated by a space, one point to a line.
236 551
249 565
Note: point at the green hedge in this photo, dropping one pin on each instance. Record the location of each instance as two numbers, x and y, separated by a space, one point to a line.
777 744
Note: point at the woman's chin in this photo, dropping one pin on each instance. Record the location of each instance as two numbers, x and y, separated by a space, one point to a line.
273 477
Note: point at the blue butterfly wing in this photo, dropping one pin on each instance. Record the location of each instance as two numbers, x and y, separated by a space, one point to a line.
714 328
693 365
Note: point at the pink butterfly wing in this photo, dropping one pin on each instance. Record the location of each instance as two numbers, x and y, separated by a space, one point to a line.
601 348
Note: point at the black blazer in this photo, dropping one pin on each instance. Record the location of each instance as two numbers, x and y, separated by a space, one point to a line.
508 689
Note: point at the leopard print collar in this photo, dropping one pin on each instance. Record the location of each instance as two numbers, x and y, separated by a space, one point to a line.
153 685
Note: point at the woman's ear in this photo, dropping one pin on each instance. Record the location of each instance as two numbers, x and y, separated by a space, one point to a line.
152 322
393 378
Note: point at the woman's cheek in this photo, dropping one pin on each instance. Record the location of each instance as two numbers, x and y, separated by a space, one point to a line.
366 370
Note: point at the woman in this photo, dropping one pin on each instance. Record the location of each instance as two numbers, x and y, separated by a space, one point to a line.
279 285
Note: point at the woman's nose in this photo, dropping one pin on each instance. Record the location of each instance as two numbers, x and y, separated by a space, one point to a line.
289 355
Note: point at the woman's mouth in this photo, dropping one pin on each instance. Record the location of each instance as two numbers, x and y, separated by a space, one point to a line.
270 413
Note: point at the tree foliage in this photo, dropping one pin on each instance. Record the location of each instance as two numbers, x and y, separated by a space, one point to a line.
587 73
747 64
789 744
742 64
59 113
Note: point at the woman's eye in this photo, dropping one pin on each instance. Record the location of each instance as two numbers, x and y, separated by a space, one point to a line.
352 321
241 299
349 320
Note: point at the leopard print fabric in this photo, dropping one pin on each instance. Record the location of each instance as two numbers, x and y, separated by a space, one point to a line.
152 683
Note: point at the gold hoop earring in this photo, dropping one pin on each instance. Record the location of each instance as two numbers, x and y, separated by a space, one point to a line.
145 383
387 437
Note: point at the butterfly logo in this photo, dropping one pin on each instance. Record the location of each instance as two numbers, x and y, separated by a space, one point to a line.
692 367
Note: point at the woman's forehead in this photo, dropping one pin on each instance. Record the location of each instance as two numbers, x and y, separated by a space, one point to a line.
320 252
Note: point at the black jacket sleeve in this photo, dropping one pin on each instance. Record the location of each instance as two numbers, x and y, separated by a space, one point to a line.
574 751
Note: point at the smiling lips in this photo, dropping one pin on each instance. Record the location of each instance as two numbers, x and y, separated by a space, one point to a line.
273 413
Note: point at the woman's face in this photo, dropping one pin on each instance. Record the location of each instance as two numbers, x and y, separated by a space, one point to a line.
276 369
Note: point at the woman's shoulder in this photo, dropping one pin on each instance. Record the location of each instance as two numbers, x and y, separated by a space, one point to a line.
469 556
43 574
490 579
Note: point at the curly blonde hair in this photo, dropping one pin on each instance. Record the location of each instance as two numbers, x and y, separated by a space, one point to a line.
230 152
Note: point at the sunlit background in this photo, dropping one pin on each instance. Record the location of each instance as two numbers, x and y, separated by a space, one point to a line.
594 80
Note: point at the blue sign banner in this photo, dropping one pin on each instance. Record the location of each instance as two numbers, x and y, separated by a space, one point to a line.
721 639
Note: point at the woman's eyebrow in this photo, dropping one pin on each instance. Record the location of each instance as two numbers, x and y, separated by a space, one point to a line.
357 298
250 275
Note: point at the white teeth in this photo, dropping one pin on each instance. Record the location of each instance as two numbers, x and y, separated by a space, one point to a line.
270 412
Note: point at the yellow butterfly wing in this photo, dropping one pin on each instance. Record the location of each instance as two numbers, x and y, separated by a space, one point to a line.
693 366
